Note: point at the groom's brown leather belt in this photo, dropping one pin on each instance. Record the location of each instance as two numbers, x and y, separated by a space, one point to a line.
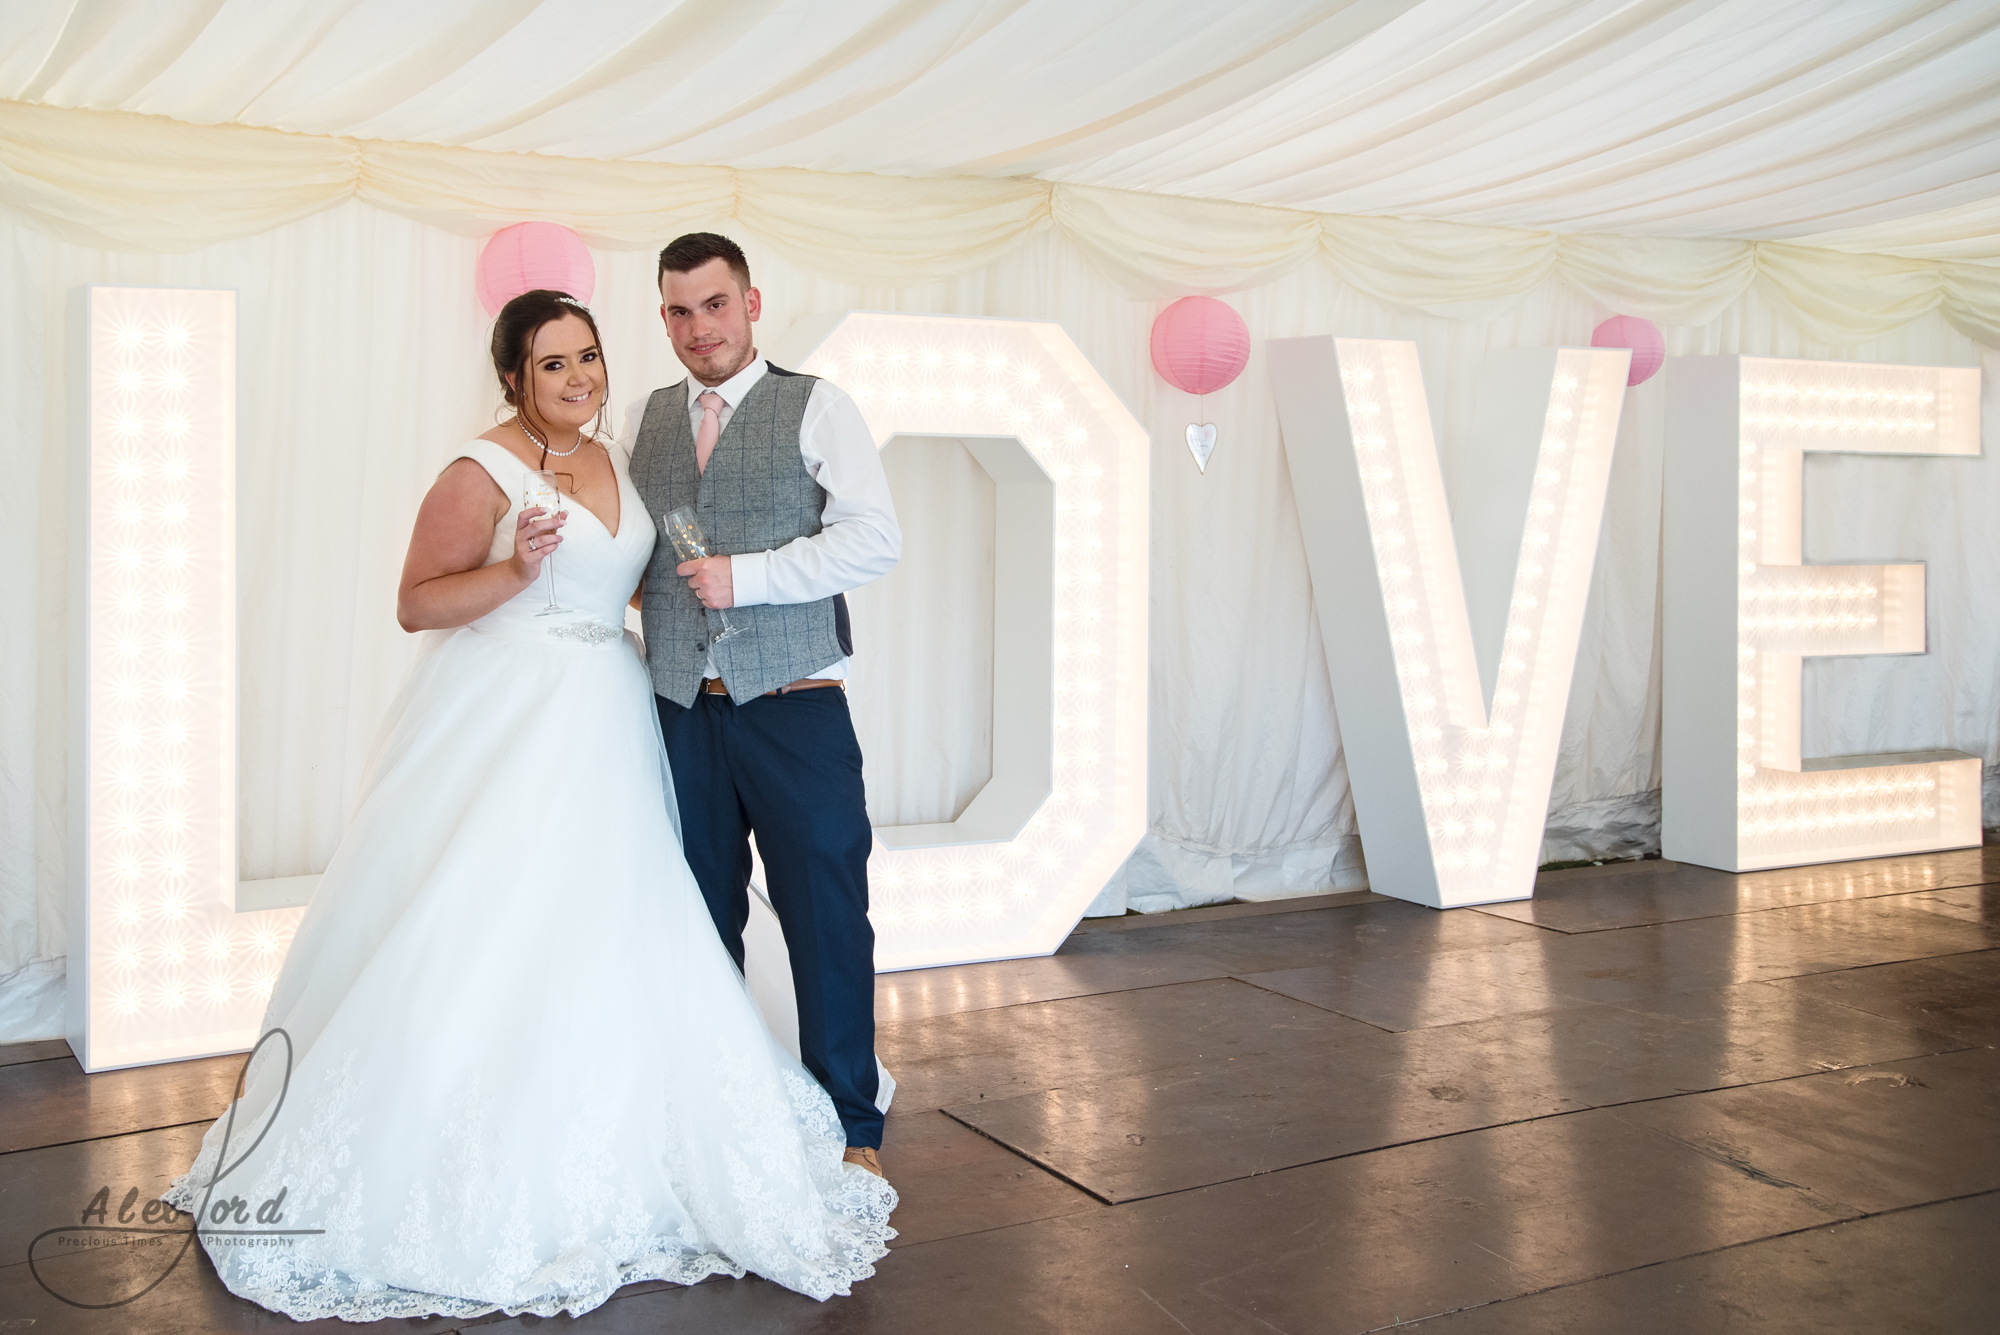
714 686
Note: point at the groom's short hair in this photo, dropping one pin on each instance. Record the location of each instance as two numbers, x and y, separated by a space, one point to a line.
684 254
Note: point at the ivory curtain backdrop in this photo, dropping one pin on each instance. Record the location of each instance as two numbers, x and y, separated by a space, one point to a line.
1787 178
146 183
362 364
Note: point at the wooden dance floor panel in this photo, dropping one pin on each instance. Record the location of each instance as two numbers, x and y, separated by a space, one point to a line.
1657 1098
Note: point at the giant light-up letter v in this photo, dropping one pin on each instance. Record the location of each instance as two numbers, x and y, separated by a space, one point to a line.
1450 693
1742 610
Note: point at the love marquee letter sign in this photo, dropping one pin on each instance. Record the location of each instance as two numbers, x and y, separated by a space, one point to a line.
162 964
1067 798
1450 636
1742 610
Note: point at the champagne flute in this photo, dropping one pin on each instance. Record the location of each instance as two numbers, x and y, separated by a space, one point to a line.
691 544
542 490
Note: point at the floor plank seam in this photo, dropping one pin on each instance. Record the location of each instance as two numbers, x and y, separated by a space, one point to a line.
1632 1006
1050 1001
1332 1158
114 1135
1253 908
1732 913
1023 1154
1579 1002
1712 1251
1834 1209
1486 912
1182 982
1774 1080
1880 964
1451 1135
996 1228
1326 1010
1891 1019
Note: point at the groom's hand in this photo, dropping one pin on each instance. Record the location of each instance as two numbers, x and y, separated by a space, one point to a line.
709 578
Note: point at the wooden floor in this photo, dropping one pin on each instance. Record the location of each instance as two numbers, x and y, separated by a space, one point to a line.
1657 1098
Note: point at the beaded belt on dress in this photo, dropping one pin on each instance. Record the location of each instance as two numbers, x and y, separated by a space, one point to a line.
593 633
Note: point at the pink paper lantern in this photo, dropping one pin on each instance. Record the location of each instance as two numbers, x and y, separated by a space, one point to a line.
1642 336
1200 345
529 255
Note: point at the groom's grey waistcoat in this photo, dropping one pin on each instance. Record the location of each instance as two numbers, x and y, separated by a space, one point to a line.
755 496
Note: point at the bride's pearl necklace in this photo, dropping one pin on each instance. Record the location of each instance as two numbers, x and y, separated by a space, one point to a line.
560 454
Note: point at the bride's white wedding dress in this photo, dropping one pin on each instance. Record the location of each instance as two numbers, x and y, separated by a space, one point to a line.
524 1069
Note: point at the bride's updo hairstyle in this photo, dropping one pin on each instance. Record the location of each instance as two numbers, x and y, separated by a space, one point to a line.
514 339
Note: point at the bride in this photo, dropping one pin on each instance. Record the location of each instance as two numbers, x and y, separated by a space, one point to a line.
508 1064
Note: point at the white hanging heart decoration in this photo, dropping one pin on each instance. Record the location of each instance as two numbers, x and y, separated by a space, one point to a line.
1201 443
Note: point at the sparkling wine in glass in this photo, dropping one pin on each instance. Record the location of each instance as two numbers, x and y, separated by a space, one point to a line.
691 544
542 490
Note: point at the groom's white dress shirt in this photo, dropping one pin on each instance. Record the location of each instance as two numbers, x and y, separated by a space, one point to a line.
859 539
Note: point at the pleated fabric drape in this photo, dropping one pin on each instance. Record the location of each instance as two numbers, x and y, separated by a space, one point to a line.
362 364
119 181
1761 176
1767 119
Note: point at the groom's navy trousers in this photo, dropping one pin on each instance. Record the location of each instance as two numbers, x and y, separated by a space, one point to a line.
788 769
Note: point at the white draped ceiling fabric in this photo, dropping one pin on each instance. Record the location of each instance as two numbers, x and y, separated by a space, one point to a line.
1799 179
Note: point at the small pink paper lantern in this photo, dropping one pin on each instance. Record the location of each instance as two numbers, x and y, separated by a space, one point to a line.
1642 336
529 255
1200 345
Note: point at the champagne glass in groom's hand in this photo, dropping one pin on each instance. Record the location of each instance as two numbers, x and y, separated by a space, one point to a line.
691 544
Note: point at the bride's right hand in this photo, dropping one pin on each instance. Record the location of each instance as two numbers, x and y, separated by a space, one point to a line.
535 536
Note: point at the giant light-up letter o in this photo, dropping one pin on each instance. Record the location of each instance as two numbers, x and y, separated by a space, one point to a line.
1742 609
1067 797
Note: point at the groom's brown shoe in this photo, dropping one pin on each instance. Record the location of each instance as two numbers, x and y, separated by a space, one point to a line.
864 1156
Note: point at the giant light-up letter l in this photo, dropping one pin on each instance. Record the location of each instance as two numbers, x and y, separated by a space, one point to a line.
162 966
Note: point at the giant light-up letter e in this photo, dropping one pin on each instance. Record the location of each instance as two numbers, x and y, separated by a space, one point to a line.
1742 610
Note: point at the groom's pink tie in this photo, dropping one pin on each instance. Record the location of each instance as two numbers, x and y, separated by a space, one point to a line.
710 430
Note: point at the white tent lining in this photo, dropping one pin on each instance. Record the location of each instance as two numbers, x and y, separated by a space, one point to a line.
122 181
1759 119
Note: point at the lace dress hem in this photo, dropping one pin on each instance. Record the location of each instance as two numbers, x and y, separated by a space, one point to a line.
337 1294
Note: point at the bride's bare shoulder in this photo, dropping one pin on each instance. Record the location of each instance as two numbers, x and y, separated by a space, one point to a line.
464 482
509 438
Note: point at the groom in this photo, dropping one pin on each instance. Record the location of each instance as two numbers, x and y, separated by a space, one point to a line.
782 472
